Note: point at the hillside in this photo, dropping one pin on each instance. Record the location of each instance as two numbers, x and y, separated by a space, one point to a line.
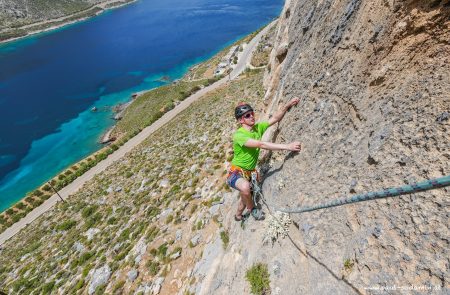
19 18
142 224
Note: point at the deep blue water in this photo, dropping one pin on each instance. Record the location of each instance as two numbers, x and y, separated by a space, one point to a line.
49 82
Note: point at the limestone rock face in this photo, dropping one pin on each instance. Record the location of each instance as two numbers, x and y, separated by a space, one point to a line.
373 77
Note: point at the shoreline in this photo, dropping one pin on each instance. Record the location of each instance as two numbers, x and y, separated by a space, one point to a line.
118 111
63 24
108 138
74 186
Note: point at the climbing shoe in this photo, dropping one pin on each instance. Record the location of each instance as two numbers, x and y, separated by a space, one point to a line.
242 218
257 214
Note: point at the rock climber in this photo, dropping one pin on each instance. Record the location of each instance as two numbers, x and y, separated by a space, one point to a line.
246 146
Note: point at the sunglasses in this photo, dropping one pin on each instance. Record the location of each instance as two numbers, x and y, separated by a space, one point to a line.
249 115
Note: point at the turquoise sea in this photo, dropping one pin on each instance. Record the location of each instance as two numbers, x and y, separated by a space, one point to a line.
49 82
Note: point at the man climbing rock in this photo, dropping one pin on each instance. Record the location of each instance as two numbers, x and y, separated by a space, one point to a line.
246 146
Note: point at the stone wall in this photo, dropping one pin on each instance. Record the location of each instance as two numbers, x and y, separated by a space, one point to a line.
374 79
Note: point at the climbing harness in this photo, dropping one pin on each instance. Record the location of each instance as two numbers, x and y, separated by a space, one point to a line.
390 192
244 173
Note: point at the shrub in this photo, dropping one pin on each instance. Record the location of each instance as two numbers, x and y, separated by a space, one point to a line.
112 220
92 220
79 285
153 267
88 211
85 257
101 156
47 288
124 235
258 277
162 251
37 193
348 264
44 197
199 225
118 286
86 270
37 202
66 225
29 199
46 188
225 238
17 217
151 234
169 219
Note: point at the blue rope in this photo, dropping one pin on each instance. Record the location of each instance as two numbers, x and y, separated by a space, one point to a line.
386 193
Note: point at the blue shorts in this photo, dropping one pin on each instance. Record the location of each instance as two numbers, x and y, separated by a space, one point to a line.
232 178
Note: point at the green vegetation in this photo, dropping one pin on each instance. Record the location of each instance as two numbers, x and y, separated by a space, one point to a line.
153 267
118 286
348 264
259 279
225 238
66 225
152 105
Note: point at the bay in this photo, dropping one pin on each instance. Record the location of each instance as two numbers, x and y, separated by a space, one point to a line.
49 82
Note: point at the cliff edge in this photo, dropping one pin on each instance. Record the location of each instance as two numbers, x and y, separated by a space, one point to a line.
374 81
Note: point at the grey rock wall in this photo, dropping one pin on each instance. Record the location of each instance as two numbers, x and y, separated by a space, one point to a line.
374 78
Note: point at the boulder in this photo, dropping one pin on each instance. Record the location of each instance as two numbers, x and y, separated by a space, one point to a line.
178 235
164 183
175 255
90 233
195 240
100 277
132 275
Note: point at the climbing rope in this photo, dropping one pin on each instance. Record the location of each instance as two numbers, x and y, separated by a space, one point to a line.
386 193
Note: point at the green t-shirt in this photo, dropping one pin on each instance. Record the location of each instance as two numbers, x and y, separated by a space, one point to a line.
246 157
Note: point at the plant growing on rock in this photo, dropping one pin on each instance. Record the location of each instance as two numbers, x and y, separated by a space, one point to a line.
259 279
225 238
277 225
